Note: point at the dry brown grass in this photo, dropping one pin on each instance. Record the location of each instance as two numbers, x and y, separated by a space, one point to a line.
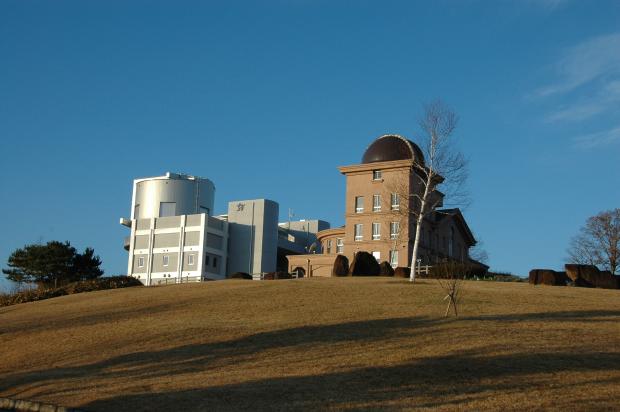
340 343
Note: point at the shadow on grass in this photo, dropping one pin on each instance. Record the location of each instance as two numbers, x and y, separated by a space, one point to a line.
428 382
207 356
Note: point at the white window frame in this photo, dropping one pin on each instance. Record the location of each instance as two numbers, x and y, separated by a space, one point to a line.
376 175
395 201
394 230
190 260
376 231
358 228
166 260
394 258
376 203
339 245
328 246
141 261
359 209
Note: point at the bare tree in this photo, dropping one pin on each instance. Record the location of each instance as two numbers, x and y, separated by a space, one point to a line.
449 276
478 252
598 242
443 165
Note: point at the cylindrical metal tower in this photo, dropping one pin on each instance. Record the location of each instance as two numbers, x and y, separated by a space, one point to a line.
172 195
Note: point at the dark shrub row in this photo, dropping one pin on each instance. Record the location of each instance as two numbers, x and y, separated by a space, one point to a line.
103 283
576 275
455 270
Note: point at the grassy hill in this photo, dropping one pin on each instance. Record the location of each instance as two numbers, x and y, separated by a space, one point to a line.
341 343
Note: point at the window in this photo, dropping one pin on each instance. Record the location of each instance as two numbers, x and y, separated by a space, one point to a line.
339 245
328 246
376 231
136 212
395 201
376 175
359 204
376 203
358 232
394 258
377 255
141 262
394 230
190 260
207 260
214 262
167 209
166 260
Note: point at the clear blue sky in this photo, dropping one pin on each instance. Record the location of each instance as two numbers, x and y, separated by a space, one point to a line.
267 98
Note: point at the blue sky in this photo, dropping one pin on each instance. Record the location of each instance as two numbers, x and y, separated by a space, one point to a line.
268 98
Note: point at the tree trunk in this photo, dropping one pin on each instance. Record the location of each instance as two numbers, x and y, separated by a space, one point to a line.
418 229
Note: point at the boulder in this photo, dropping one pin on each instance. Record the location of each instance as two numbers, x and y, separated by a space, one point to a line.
402 272
589 276
547 277
385 269
364 264
240 275
341 266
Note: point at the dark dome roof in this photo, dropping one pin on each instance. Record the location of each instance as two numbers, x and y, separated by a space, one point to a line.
392 147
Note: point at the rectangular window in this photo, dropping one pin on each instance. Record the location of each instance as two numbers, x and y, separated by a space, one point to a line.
136 212
167 209
376 231
376 203
377 255
339 245
394 258
190 260
376 175
358 232
329 246
207 260
359 204
394 230
166 260
141 262
215 262
395 201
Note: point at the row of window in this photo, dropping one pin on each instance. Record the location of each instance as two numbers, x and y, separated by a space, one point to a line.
166 261
339 245
393 257
376 231
376 203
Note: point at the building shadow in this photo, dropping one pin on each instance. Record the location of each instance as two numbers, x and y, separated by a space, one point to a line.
427 383
467 373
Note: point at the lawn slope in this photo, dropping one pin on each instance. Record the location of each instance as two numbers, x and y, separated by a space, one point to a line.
341 343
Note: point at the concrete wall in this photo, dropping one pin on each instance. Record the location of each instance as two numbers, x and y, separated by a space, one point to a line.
177 238
253 236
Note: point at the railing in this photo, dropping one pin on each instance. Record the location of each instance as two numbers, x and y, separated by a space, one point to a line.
423 270
261 276
174 281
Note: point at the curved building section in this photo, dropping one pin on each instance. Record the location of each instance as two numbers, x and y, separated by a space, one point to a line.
172 195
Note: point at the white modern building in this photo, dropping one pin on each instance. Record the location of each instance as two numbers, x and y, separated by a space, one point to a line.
174 238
